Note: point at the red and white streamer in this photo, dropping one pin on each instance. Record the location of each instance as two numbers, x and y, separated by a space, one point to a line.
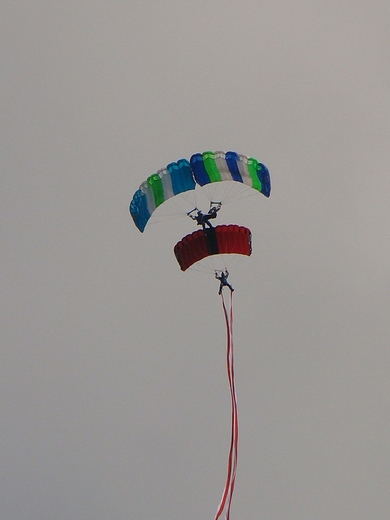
227 494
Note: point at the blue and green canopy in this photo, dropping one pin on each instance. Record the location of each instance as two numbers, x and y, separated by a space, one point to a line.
203 168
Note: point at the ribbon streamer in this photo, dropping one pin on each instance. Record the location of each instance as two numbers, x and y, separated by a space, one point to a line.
227 494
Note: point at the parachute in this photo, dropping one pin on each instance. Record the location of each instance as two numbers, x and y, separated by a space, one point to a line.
202 169
220 166
231 239
181 178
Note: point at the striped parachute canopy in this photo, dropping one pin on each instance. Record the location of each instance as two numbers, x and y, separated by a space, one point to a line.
210 167
203 168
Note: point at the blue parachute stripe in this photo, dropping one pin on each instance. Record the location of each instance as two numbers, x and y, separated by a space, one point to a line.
139 210
181 176
199 170
264 178
231 160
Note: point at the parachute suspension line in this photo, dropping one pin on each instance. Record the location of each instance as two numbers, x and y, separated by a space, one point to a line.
227 494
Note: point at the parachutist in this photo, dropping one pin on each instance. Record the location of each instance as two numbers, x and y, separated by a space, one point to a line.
222 277
203 219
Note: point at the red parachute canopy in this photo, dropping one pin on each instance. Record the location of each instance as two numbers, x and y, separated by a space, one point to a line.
225 239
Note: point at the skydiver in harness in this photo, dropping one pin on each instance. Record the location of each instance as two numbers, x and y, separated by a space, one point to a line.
203 219
222 277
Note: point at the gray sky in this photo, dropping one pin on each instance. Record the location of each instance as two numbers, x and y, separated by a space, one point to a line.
114 399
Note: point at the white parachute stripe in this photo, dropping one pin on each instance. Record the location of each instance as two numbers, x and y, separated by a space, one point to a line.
242 164
166 180
222 166
148 190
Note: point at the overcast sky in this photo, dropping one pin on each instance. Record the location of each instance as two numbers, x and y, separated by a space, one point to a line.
114 398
